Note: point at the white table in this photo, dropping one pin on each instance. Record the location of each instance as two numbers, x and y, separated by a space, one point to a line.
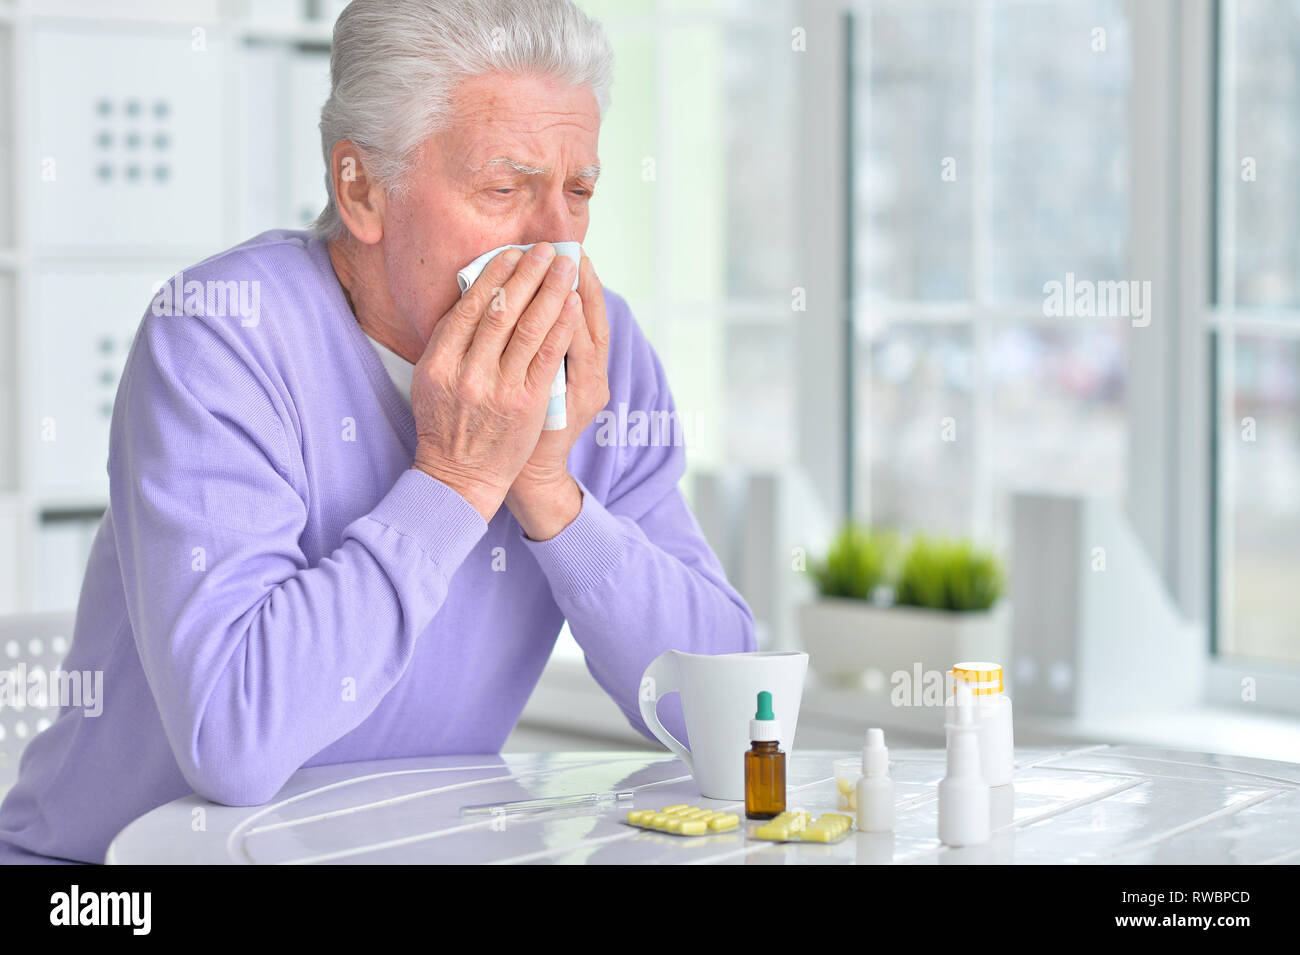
1099 804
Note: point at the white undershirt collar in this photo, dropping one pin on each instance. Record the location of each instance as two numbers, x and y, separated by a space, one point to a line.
398 368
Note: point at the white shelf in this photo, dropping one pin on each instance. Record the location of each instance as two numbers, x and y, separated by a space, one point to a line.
316 33
71 503
71 290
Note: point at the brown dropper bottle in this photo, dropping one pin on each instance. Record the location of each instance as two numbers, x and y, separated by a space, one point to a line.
764 764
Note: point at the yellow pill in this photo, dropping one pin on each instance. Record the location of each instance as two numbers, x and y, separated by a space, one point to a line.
724 821
673 825
636 815
694 827
695 814
657 819
771 831
678 807
816 834
844 785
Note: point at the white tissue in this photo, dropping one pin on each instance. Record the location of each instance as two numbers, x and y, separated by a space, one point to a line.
556 417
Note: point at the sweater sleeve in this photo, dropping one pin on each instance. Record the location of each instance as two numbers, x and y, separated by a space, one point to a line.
634 575
256 660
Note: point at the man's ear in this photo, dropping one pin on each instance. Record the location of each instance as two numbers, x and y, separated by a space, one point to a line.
360 200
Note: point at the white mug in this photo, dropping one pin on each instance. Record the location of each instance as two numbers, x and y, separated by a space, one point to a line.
719 694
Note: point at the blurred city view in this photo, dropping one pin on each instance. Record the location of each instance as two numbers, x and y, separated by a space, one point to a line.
1028 104
1259 276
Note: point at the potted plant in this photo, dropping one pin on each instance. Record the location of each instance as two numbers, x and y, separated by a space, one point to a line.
937 605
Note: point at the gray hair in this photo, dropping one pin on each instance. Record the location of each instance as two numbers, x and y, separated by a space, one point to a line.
395 64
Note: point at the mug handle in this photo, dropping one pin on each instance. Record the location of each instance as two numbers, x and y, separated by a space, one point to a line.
660 678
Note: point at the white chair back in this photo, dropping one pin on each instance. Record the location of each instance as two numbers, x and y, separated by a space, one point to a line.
31 646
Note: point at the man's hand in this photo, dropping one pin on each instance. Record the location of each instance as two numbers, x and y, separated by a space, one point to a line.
480 389
544 498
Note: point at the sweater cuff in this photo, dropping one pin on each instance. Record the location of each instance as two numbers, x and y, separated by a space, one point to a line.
444 524
583 554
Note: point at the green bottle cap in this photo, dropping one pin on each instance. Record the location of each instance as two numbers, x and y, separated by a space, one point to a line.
764 706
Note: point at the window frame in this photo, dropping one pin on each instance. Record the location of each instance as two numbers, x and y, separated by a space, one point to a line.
1276 685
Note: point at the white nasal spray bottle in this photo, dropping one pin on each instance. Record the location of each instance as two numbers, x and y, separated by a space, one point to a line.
963 793
991 707
557 418
875 788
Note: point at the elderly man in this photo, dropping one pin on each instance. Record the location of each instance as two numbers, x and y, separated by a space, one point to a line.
337 530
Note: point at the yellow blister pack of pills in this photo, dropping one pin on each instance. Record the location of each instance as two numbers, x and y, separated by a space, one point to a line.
799 826
684 820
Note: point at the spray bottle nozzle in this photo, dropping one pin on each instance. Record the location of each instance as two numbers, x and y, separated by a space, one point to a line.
962 698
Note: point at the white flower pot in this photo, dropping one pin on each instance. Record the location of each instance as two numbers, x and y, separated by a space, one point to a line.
845 637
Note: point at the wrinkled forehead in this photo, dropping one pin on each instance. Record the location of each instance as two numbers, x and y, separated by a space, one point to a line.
523 125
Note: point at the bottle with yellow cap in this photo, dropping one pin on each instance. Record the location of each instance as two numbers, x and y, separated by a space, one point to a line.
992 709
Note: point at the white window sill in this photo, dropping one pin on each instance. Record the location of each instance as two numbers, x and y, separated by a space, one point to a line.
568 700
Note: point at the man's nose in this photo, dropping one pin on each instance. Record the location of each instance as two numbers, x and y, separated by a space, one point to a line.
552 221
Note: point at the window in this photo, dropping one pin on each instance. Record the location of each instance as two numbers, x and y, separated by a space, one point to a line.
1256 332
989 156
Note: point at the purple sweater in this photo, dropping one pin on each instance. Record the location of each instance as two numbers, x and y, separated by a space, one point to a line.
273 586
